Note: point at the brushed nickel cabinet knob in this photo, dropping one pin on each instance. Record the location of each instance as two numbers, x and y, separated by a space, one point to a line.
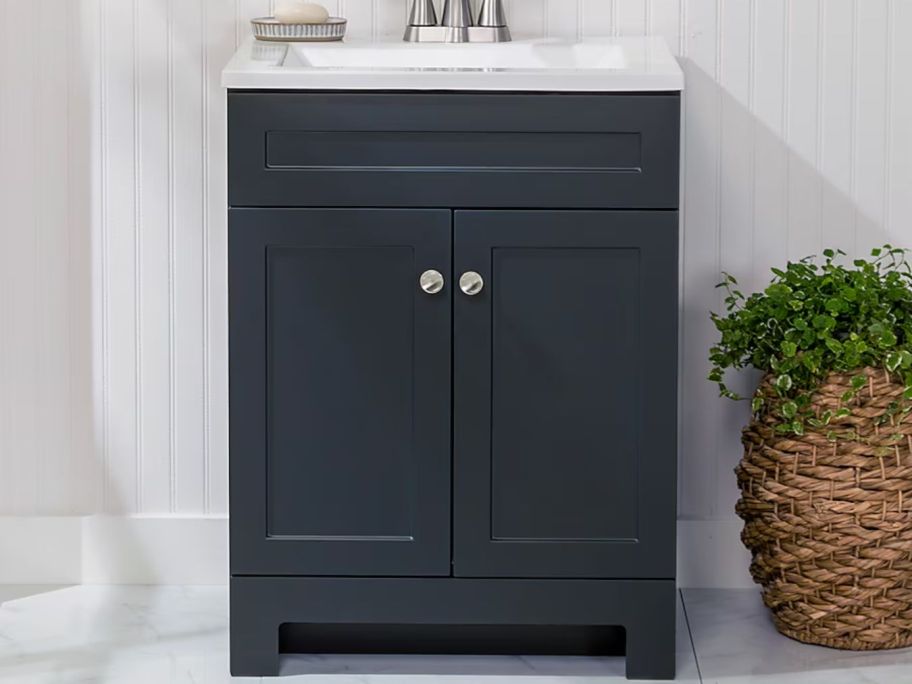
471 283
431 281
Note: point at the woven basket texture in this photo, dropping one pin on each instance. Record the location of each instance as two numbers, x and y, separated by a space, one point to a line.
829 522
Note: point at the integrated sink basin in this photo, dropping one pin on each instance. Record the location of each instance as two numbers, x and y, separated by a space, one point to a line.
592 64
500 56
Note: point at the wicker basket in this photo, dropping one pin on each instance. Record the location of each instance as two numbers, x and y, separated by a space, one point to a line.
829 522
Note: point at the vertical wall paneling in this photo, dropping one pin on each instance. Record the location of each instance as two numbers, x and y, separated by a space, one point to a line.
630 17
803 119
19 360
389 17
78 462
900 170
769 67
171 240
360 17
5 289
113 302
51 256
563 19
873 54
837 83
664 19
736 200
188 285
153 271
247 10
528 17
595 17
45 412
118 246
217 25
702 104
101 282
93 30
41 435
28 241
137 249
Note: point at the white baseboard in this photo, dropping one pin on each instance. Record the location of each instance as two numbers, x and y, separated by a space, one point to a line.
194 550
40 550
113 550
710 555
154 550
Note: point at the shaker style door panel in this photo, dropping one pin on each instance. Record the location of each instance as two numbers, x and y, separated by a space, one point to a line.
340 392
565 394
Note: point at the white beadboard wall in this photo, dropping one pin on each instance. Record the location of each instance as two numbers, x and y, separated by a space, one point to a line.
46 459
113 325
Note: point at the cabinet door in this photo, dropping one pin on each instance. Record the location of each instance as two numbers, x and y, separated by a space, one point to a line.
565 394
340 392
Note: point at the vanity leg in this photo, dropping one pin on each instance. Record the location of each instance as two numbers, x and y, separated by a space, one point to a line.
254 641
254 651
651 643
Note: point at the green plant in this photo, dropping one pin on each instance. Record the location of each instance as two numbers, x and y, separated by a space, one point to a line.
815 319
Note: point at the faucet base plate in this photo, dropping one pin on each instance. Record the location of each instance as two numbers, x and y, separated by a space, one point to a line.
457 34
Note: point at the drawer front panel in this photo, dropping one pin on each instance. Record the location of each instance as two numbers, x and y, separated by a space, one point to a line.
456 149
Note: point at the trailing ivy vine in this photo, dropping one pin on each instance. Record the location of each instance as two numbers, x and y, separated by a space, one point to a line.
819 317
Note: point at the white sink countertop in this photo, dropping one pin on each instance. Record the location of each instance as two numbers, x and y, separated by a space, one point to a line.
541 64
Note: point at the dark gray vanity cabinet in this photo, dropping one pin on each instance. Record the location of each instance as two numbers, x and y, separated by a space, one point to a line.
413 467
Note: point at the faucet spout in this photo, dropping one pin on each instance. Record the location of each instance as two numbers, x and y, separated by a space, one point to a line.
457 25
456 20
457 14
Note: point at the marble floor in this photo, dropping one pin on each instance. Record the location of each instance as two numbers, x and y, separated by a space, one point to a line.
154 635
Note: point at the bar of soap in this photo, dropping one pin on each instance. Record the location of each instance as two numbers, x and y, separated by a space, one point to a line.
299 12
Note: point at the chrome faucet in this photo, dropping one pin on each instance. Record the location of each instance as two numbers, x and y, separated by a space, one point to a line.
457 24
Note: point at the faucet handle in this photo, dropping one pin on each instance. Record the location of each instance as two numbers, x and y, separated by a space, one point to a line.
423 13
492 14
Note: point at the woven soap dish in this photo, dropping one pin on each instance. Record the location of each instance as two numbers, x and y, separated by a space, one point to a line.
269 28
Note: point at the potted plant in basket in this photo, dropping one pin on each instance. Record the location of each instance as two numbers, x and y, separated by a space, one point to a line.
826 476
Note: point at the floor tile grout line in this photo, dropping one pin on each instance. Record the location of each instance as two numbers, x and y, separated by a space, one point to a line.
693 646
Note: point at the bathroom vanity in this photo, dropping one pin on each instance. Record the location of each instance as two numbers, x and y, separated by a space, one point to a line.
453 349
